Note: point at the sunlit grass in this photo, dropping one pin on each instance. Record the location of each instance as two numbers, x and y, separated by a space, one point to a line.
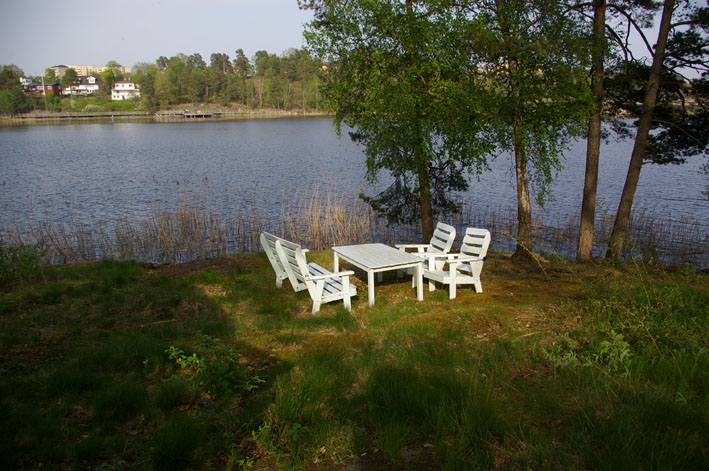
553 366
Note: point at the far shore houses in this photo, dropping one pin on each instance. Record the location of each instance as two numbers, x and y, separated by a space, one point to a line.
89 83
124 90
88 86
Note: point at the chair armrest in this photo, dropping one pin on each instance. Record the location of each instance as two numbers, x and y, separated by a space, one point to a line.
465 258
329 275
411 246
439 255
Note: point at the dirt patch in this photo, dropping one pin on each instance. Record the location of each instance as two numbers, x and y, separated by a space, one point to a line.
213 291
219 265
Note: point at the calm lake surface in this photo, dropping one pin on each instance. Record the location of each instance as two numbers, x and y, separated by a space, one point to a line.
104 172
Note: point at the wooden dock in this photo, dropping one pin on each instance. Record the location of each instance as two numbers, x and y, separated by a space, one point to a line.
184 114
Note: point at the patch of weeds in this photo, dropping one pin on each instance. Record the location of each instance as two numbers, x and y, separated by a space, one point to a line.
608 350
564 352
72 379
391 439
122 352
19 263
51 294
89 449
647 431
615 353
30 432
217 370
288 443
175 443
172 394
308 418
117 403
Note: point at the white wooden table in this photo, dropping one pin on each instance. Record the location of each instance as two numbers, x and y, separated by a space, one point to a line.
378 258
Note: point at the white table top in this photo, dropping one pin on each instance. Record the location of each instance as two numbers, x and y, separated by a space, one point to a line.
376 256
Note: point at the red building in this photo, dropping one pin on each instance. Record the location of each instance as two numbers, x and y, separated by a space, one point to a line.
39 89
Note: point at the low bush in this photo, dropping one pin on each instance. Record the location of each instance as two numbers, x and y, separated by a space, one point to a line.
19 263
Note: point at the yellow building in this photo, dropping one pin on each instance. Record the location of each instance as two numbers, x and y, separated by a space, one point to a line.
84 70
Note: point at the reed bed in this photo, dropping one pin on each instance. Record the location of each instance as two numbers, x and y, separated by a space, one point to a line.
321 218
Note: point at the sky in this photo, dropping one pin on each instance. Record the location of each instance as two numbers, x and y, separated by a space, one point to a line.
38 34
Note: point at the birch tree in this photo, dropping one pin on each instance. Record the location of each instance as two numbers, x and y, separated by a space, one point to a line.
399 74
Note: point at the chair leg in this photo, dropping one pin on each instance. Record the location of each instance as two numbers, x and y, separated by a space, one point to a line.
478 286
346 293
451 290
317 296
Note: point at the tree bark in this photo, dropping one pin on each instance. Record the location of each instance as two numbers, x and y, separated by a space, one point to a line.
622 218
524 205
425 196
593 147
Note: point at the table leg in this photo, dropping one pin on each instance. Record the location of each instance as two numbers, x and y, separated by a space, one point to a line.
370 287
380 276
336 264
419 282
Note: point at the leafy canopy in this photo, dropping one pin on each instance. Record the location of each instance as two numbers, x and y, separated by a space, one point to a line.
399 74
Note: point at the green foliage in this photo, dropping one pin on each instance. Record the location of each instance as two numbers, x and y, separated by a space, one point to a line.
117 403
444 384
679 130
12 97
400 76
172 393
217 371
91 108
289 81
69 79
175 443
535 56
19 263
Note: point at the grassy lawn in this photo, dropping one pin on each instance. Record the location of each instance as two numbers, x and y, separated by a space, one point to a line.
116 366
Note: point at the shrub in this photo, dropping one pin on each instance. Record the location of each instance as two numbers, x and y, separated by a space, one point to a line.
218 372
93 109
19 263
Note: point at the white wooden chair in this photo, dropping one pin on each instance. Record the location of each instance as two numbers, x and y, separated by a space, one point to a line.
441 243
463 268
323 285
268 242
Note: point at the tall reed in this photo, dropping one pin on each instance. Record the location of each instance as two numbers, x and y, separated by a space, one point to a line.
319 218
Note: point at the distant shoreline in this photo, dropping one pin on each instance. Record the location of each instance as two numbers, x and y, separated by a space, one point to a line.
43 119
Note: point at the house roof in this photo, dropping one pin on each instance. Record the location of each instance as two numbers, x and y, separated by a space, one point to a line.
85 80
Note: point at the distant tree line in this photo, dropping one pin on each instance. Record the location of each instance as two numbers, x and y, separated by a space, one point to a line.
286 82
290 81
12 97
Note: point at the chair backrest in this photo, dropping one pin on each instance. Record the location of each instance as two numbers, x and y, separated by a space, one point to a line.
293 260
442 239
268 242
475 242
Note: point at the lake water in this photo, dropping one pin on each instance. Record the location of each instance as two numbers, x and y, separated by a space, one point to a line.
104 172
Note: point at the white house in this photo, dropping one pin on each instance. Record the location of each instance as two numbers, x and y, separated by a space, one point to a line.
88 86
125 90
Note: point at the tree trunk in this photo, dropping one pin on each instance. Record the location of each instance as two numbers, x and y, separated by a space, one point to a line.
593 147
425 195
622 217
524 205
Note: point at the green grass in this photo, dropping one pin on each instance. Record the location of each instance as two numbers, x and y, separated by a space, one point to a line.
117 366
